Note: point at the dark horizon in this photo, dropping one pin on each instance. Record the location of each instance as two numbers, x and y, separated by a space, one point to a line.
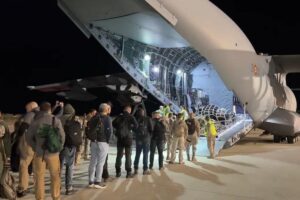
41 45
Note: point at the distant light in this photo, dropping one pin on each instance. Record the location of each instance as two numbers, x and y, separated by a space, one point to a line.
156 69
179 72
147 57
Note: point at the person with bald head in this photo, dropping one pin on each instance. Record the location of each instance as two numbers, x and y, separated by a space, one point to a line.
25 151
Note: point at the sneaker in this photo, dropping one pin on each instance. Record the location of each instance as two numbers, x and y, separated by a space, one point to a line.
161 168
118 174
171 162
21 193
129 175
146 172
100 185
70 191
91 185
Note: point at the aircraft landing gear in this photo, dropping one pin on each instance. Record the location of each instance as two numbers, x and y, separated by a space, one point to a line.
277 138
292 139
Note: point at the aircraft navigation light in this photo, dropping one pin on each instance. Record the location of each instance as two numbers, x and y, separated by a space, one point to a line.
147 57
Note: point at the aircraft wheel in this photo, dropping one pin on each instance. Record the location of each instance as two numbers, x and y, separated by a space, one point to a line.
291 139
276 139
296 139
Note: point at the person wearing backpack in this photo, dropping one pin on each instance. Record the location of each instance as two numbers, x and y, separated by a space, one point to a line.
46 136
158 139
142 140
99 132
125 124
180 132
193 135
73 130
24 150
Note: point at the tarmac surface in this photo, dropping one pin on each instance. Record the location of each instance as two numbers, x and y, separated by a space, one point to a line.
255 168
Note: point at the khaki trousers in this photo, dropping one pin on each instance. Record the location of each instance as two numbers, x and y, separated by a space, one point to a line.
53 164
26 157
169 144
177 142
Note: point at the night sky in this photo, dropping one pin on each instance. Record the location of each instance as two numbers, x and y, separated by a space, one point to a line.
39 45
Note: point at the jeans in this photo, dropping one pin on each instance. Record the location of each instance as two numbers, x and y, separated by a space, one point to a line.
99 151
67 157
160 144
141 145
121 145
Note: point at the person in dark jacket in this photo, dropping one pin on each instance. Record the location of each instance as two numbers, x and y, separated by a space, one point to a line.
105 175
158 139
67 155
99 147
143 137
125 124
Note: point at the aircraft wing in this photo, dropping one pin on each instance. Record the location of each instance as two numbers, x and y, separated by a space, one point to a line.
78 89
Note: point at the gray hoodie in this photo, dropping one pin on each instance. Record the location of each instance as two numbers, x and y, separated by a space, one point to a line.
35 141
68 114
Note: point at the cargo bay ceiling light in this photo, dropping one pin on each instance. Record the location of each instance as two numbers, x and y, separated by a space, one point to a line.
147 57
156 69
179 72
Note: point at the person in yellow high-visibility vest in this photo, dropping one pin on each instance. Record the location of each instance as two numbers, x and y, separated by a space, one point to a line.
210 133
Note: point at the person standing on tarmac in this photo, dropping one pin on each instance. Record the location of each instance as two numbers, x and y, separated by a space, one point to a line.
102 129
169 120
193 135
67 156
105 174
180 132
5 140
158 139
46 150
25 150
125 125
143 138
211 134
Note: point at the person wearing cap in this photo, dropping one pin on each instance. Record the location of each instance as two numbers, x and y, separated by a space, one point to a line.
25 150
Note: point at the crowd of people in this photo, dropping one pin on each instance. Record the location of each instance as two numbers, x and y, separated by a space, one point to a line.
54 138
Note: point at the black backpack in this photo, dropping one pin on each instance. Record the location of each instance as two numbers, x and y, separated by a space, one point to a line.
95 128
142 129
159 130
191 126
123 126
73 133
